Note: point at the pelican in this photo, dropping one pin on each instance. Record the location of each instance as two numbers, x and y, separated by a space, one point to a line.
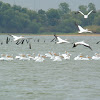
96 56
60 41
6 57
85 16
16 38
82 30
81 57
19 39
82 43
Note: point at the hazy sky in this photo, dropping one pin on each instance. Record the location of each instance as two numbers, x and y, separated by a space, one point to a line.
47 4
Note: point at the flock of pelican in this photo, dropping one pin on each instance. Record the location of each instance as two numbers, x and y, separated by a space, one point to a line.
61 41
50 55
53 56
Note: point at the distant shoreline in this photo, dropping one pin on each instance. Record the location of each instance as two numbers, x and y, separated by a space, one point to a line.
64 34
26 34
72 35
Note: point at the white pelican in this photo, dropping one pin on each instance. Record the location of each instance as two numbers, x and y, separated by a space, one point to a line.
39 58
85 16
16 38
81 57
82 43
22 57
57 58
19 39
82 30
60 41
96 56
6 57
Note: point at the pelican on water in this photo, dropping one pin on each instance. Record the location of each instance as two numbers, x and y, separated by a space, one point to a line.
82 43
85 16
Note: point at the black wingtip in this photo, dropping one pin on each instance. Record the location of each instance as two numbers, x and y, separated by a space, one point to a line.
74 46
94 11
98 42
91 48
77 12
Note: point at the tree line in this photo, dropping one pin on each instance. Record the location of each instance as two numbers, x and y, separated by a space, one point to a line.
15 19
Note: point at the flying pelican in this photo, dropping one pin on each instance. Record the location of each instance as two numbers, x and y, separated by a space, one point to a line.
19 39
85 16
60 41
16 38
82 30
82 43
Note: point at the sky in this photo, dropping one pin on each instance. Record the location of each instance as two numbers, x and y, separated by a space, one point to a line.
47 4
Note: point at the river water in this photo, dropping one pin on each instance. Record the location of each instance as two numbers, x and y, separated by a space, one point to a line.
49 80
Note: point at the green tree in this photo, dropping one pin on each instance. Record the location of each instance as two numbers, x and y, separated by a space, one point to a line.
83 8
53 17
64 8
91 6
42 17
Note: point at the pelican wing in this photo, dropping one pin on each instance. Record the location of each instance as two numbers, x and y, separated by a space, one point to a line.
74 45
98 42
80 28
90 12
14 36
80 12
88 46
54 38
59 39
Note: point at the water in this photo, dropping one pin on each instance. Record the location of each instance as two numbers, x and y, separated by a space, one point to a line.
48 80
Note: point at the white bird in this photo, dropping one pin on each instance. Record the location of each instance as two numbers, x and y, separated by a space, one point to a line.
82 30
16 38
57 58
82 43
19 39
6 57
85 16
96 56
80 57
60 41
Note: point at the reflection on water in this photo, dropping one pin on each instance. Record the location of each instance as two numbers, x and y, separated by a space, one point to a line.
64 80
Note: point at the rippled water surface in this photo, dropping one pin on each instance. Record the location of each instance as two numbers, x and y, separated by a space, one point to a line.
49 80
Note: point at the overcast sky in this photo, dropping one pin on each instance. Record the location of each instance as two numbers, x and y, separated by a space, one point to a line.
47 4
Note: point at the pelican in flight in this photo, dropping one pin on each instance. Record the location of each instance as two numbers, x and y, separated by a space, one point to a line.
85 16
82 43
16 38
82 30
60 41
19 39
